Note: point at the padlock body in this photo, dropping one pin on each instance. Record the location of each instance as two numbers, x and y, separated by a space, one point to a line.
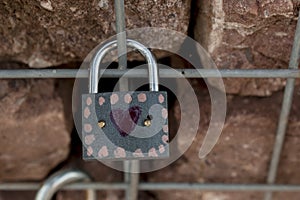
125 125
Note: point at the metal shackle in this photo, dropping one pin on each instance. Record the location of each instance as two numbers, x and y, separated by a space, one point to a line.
60 179
98 57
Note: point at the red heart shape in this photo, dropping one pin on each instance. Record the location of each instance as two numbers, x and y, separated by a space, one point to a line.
125 120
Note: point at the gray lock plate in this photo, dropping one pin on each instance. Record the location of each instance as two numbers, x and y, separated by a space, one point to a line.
125 135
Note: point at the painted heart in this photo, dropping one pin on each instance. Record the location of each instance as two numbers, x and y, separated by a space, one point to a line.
125 120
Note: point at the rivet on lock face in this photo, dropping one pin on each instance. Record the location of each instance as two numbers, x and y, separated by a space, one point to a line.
147 122
101 123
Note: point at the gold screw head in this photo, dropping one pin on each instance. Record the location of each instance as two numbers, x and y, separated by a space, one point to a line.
101 123
147 122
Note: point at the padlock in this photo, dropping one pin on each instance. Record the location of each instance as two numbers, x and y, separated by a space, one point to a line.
128 124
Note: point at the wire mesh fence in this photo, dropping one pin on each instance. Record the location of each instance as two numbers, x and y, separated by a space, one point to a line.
290 74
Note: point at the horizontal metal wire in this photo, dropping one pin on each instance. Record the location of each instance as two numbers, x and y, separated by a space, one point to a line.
163 73
159 186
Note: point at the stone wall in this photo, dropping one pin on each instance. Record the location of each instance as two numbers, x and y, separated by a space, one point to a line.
34 132
248 35
47 33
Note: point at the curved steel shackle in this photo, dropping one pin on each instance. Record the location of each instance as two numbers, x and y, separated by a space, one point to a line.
60 179
96 61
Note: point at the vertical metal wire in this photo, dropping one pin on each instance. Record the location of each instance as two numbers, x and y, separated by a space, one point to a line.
285 111
121 34
132 179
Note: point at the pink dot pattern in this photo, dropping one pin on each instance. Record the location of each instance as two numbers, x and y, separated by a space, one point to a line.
165 139
164 113
87 128
114 98
138 153
142 97
120 153
89 151
88 101
86 112
165 128
152 153
127 98
101 101
161 149
103 152
89 139
161 98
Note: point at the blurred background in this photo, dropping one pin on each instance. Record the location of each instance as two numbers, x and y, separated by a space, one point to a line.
37 130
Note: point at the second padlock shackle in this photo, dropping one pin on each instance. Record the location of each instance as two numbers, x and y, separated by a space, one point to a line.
60 179
96 61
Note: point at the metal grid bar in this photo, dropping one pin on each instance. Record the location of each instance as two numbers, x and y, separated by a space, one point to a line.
285 111
121 34
163 73
159 186
132 179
